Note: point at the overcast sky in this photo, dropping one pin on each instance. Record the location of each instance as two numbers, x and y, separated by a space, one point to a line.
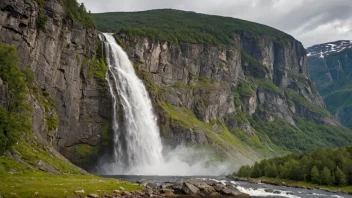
309 21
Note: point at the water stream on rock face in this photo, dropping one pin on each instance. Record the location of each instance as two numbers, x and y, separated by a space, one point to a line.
136 140
137 148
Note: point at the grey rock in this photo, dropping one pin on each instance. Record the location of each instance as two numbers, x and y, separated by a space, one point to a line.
219 187
93 196
226 191
46 167
190 189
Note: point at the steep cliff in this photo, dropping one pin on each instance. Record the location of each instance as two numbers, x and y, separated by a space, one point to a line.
330 68
250 97
69 96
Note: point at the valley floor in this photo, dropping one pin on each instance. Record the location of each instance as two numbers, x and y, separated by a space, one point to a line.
40 184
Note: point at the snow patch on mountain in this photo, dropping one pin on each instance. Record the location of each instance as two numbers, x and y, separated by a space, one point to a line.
322 50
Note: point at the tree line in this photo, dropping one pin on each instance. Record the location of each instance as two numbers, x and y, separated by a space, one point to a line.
331 167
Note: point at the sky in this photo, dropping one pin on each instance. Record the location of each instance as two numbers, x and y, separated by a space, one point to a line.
309 21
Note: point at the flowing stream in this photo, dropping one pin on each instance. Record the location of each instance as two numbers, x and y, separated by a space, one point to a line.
257 190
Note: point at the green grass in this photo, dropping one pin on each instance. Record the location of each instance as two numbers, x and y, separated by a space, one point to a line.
224 138
39 184
294 96
180 26
52 122
245 88
269 85
20 180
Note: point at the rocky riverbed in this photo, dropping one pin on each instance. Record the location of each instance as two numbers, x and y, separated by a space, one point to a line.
186 188
192 186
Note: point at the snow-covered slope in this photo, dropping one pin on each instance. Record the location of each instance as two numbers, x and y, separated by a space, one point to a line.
325 49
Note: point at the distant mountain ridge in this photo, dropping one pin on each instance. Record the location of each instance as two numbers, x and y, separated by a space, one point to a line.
326 49
330 67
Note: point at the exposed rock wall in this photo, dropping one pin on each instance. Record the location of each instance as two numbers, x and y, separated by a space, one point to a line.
56 55
202 79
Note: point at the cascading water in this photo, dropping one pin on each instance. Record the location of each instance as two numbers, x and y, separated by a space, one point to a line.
136 139
137 143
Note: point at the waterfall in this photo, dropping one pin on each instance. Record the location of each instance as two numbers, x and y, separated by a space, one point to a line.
137 140
137 148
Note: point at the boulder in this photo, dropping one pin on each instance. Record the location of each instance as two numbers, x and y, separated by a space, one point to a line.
219 187
167 192
190 189
226 191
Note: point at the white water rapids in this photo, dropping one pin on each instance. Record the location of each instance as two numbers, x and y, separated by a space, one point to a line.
137 144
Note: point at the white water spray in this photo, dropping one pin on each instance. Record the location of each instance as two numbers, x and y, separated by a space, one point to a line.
137 143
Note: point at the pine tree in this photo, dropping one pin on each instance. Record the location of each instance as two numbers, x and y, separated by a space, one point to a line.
326 177
256 171
340 177
314 175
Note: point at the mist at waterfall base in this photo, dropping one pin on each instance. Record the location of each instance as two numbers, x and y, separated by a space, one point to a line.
179 161
137 145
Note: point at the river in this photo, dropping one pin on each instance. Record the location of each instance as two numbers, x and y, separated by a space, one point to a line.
254 190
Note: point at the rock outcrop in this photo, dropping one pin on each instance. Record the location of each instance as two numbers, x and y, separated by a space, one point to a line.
60 55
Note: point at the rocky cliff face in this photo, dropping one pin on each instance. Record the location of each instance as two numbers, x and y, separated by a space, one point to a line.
330 69
205 93
60 54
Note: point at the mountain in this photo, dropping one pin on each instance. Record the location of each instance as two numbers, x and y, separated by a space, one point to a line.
330 67
236 88
233 86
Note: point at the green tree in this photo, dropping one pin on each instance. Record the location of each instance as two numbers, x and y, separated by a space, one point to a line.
314 175
244 171
256 171
270 170
326 177
340 177
15 116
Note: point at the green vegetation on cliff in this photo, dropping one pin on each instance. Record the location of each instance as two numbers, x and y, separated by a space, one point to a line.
78 12
330 167
180 26
305 136
15 115
73 10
